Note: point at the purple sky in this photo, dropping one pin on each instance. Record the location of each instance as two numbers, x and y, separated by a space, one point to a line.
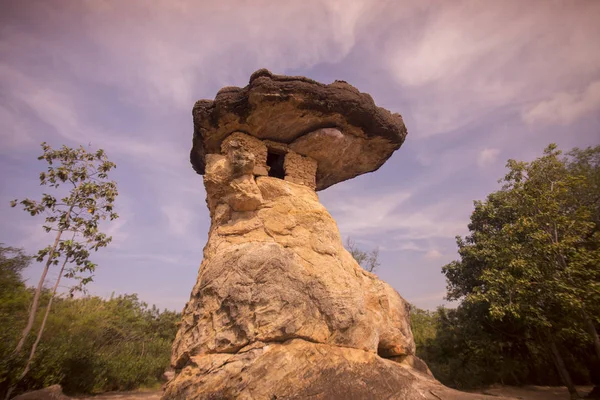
477 82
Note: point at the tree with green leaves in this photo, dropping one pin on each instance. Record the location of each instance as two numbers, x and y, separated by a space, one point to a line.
94 345
12 263
12 289
13 305
533 252
82 198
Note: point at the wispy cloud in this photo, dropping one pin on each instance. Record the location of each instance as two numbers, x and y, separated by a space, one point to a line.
178 219
15 130
157 62
565 107
386 214
487 157
474 81
433 254
364 213
470 58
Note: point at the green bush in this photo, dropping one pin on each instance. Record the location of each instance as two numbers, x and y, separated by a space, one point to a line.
466 349
90 344
95 345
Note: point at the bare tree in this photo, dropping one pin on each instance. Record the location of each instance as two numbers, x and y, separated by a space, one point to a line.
368 260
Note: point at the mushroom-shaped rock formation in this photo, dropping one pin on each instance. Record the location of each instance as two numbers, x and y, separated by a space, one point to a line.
336 125
280 309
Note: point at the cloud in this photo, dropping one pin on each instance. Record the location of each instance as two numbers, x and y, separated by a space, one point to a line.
469 59
487 157
408 246
346 16
165 55
33 237
178 218
124 76
433 254
387 214
147 256
565 107
364 213
63 108
120 229
150 64
15 130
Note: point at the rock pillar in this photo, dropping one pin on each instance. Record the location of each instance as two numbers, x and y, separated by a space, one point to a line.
280 309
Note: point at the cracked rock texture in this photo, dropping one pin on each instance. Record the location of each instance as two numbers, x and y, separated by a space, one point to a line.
336 125
281 310
298 369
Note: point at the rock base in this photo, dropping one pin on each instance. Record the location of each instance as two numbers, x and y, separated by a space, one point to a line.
298 369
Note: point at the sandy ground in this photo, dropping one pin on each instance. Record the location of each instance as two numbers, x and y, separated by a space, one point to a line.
149 395
521 393
535 392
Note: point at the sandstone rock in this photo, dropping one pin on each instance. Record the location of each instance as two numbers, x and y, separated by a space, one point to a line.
280 309
357 136
245 195
299 369
168 375
282 272
53 392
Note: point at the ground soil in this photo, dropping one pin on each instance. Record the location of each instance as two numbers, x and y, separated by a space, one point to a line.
521 393
534 392
145 395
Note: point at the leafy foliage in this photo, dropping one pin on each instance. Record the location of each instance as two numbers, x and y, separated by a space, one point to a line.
95 345
465 348
81 178
528 278
14 301
87 200
90 344
533 251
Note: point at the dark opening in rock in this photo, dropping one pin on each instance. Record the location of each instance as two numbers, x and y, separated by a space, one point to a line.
275 163
383 352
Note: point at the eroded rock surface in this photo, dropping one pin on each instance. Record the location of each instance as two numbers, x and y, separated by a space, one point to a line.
336 125
280 309
299 369
275 269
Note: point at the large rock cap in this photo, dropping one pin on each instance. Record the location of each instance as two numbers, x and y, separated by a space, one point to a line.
336 125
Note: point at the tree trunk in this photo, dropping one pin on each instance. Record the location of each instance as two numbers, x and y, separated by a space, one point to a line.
593 333
39 335
562 370
596 340
37 295
38 290
41 330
